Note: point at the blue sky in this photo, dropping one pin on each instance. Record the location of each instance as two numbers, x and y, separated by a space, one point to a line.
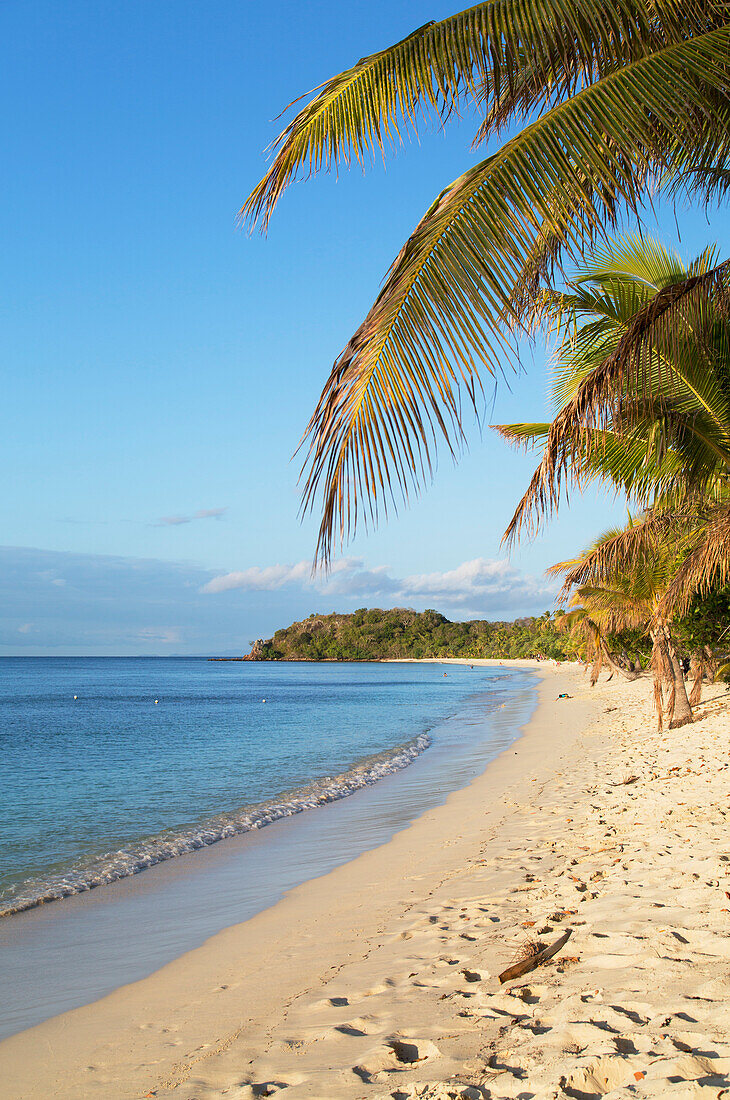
160 365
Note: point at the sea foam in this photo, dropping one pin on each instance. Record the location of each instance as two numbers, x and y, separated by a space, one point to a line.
150 851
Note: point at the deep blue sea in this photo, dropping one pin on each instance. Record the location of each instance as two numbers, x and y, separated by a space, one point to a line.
111 765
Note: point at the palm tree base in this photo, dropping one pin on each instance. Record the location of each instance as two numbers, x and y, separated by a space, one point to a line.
677 722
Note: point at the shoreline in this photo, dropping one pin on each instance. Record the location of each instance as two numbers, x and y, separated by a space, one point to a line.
154 851
90 872
379 979
60 957
274 924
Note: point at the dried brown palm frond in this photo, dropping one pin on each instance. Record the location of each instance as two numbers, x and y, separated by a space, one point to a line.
588 621
529 949
622 552
707 564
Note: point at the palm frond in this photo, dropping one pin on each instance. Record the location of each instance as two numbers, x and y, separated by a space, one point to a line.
636 462
447 302
634 259
617 610
707 565
641 545
482 53
524 435
651 355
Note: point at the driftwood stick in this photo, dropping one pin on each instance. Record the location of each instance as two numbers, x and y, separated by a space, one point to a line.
526 965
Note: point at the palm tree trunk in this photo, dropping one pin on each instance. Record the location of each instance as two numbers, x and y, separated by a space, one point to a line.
681 711
697 672
668 679
596 669
710 663
703 665
658 670
617 668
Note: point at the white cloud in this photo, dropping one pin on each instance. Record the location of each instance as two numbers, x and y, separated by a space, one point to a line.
257 579
25 628
480 578
52 576
481 583
210 513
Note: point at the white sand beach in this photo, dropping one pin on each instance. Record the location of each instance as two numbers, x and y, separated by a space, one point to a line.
381 978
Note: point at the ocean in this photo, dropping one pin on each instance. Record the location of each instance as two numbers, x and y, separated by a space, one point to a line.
113 766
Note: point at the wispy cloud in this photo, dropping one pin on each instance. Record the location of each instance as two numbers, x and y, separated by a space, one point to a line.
480 583
166 634
203 513
210 513
172 521
51 576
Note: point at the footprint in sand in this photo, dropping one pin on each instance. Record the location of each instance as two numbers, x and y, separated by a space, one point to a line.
398 1053
355 1029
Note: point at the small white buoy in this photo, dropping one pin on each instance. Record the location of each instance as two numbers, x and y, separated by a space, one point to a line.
156 701
263 700
75 696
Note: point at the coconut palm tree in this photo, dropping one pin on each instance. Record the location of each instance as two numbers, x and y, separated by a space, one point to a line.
633 598
655 423
601 101
584 625
642 389
698 532
649 414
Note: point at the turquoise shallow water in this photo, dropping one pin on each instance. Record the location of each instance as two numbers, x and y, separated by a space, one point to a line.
113 768
111 765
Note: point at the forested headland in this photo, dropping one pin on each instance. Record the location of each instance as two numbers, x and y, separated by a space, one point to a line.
374 635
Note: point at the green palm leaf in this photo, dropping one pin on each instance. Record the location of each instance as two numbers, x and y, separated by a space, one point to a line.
666 357
513 55
449 299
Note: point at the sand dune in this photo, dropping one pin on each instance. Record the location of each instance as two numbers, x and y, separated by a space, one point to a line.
595 822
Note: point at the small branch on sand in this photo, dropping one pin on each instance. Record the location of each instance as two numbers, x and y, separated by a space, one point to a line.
524 966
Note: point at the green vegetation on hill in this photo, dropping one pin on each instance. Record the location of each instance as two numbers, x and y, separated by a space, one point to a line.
371 635
374 635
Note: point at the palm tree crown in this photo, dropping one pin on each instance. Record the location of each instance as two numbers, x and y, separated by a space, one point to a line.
613 96
649 413
633 597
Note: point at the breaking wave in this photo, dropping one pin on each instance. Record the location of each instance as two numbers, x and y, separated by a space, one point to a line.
146 853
